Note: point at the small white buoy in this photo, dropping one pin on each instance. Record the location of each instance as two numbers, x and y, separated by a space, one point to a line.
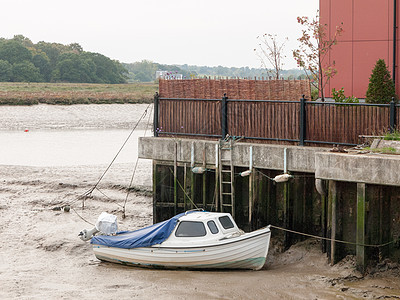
245 173
282 178
198 170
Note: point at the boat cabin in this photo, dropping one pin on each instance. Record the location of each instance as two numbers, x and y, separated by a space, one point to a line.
203 227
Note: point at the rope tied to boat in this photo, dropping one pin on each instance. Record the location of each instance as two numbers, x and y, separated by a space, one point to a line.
83 219
89 192
134 169
119 151
334 240
194 204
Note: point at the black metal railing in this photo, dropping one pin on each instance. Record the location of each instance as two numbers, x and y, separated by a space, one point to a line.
299 122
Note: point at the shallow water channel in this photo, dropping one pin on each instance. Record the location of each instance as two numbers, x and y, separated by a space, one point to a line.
54 135
67 147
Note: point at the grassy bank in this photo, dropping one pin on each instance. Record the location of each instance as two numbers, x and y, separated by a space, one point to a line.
19 93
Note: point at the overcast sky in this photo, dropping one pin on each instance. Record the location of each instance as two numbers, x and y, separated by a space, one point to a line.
202 32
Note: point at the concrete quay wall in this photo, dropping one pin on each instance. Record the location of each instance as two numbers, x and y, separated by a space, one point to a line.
340 196
362 168
265 156
366 168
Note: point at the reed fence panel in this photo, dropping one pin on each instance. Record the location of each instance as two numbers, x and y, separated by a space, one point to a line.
344 124
190 117
274 121
264 120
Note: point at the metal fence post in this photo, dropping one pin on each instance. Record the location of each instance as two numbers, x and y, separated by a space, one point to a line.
224 116
155 119
302 120
392 120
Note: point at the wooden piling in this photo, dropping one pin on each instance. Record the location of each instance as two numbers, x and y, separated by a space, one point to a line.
251 198
286 214
323 222
192 189
185 186
204 183
216 177
155 194
360 234
175 178
332 222
204 190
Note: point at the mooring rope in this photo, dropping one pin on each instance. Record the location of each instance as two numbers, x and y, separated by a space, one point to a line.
264 174
81 217
90 191
119 151
134 169
101 192
334 240
183 188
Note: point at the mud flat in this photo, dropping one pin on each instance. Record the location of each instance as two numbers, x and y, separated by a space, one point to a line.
41 256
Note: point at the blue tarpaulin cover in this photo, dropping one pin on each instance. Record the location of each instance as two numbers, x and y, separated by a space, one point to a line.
145 237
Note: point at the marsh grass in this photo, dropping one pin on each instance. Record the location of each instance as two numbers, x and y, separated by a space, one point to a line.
384 150
394 136
20 93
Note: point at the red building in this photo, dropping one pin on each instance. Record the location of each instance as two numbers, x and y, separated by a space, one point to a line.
369 30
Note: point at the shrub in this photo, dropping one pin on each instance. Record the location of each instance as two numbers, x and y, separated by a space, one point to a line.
314 94
381 87
339 96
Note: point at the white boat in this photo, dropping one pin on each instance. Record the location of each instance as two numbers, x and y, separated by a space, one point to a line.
197 240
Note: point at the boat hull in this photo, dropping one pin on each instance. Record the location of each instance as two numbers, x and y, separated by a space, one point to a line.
248 251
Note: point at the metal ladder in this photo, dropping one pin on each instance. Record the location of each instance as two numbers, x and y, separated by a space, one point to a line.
226 177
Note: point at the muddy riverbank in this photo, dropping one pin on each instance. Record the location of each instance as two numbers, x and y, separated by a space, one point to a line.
41 256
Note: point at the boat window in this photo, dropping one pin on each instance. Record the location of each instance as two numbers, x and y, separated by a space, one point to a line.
226 222
213 227
190 229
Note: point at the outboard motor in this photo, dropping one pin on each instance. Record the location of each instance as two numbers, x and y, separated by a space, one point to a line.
106 224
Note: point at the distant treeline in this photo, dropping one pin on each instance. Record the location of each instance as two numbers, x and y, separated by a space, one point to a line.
145 71
23 61
243 72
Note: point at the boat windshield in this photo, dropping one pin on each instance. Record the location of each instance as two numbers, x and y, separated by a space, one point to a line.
213 227
190 229
226 222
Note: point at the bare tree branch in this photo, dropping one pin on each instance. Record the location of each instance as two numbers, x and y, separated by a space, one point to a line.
270 53
312 52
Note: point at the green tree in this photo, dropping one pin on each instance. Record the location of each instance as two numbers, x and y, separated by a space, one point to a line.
5 71
381 87
107 70
142 77
42 62
14 52
52 50
73 68
312 54
26 71
23 40
76 48
56 62
144 70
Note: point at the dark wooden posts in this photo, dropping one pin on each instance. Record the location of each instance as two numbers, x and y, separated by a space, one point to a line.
360 233
302 122
392 119
332 219
155 119
224 116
